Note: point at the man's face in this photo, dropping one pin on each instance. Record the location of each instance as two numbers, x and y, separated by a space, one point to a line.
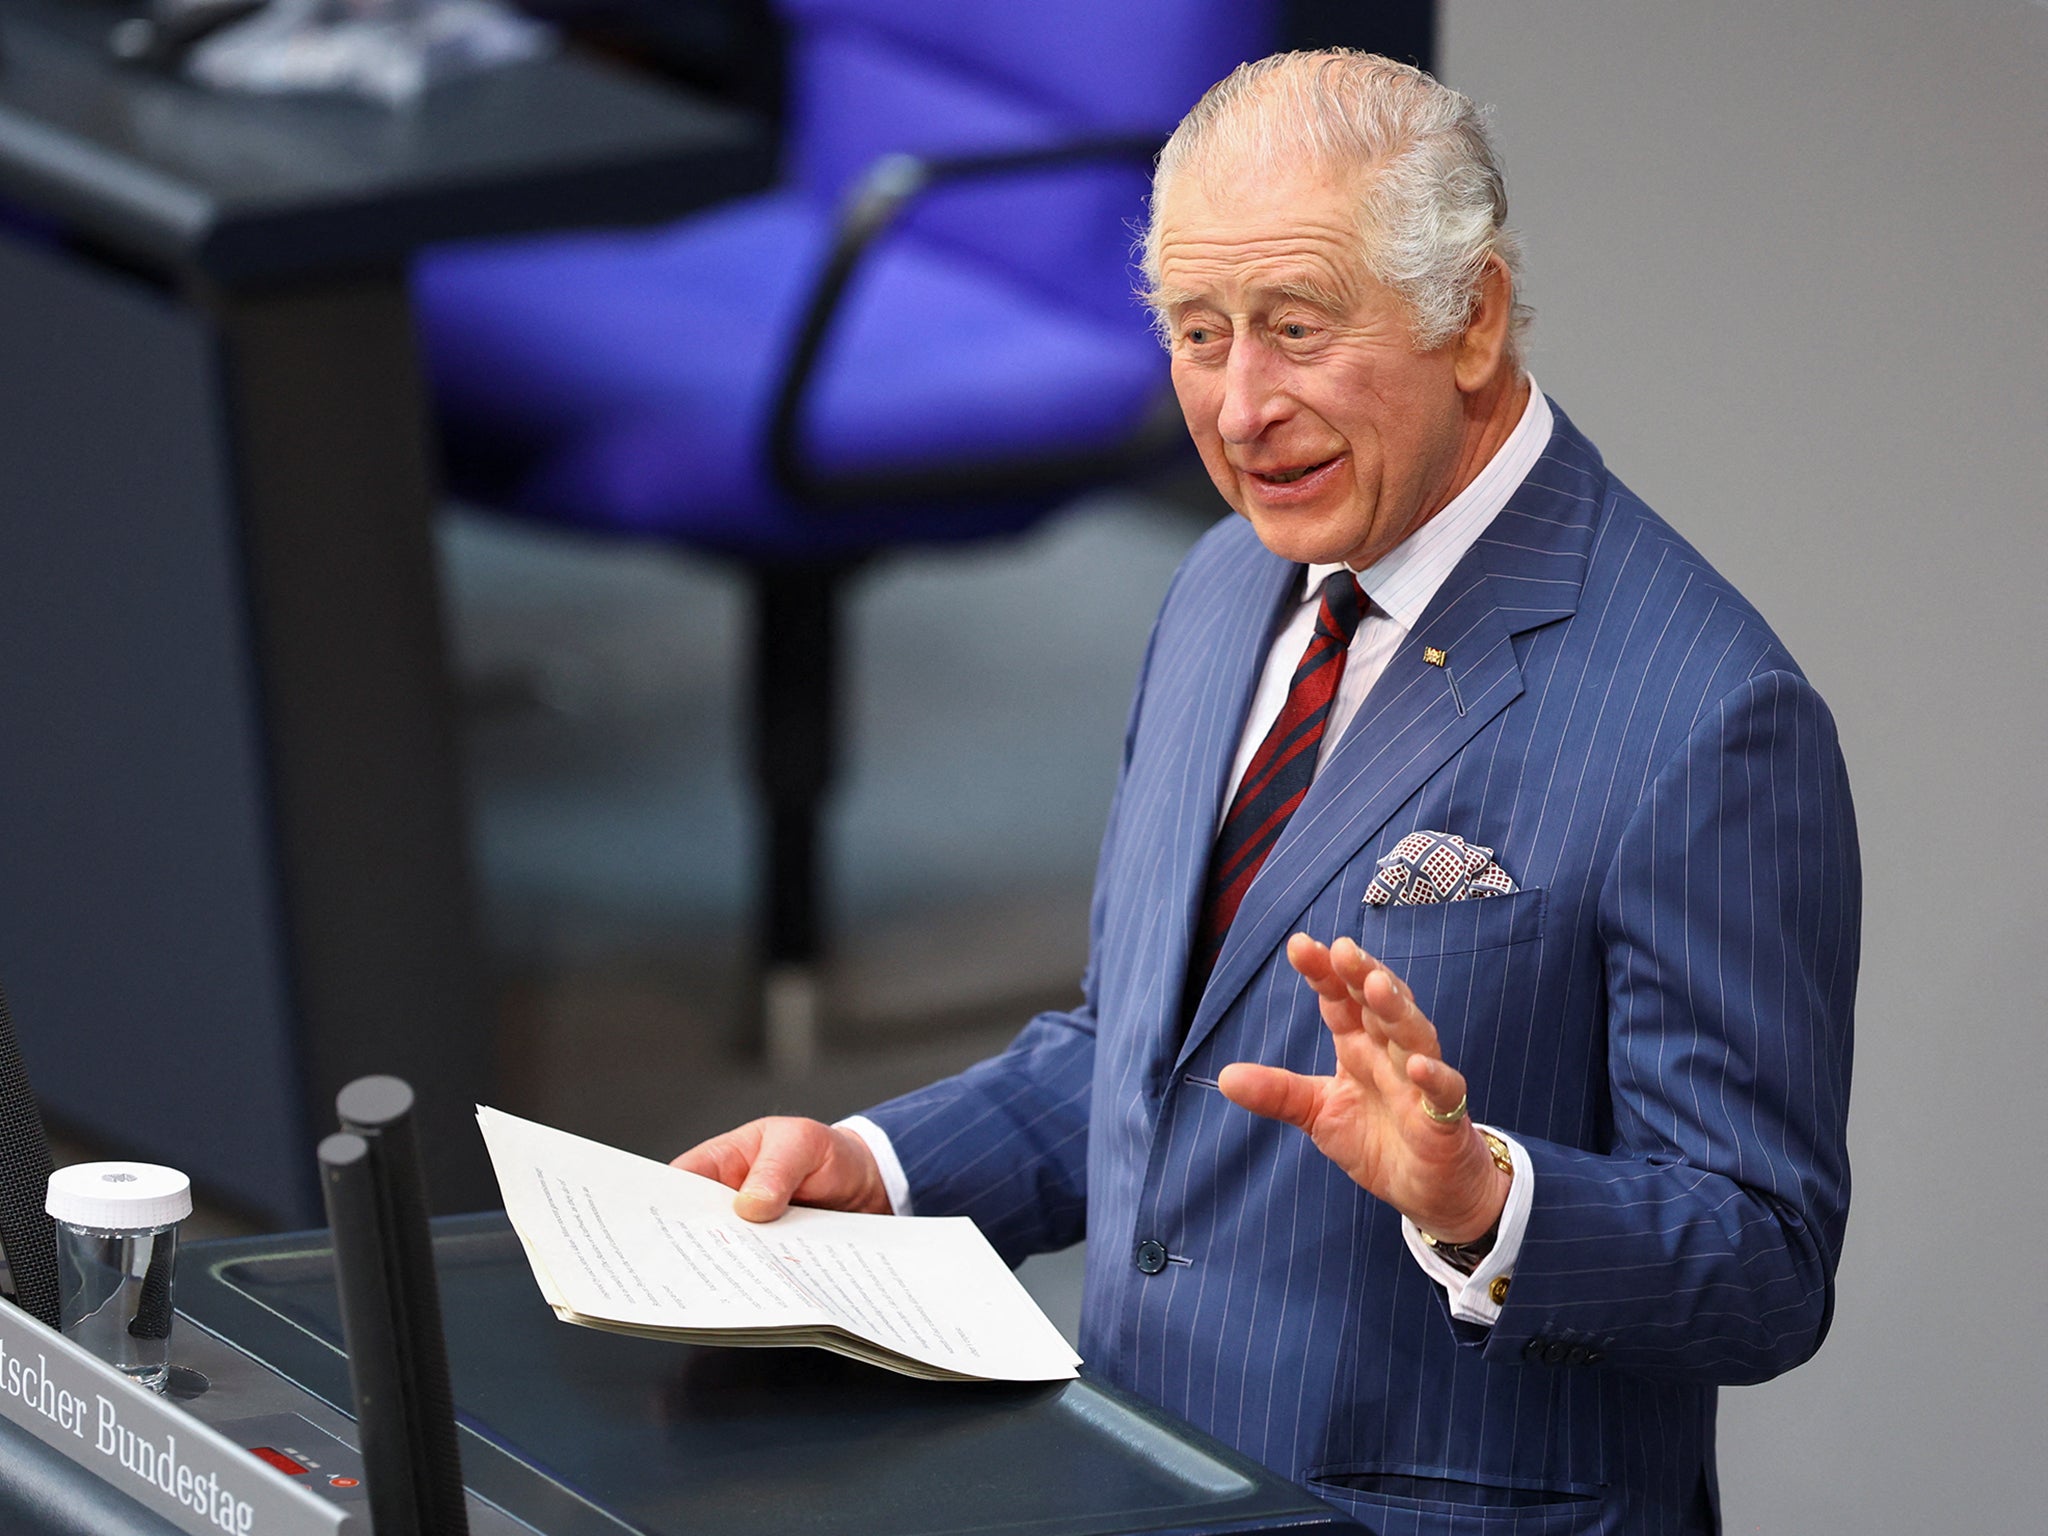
1315 416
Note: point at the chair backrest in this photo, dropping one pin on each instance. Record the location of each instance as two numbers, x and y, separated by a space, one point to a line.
872 77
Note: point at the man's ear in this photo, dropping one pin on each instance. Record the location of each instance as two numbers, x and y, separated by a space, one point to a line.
1482 348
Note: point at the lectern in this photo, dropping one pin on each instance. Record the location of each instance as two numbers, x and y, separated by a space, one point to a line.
582 1433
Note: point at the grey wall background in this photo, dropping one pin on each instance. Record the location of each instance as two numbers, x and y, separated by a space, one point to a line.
1790 262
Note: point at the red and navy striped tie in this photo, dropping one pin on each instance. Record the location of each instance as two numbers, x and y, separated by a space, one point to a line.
1277 778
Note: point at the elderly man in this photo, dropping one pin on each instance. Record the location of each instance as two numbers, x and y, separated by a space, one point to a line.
1457 785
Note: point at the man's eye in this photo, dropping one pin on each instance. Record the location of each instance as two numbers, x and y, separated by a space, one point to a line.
1199 335
1294 330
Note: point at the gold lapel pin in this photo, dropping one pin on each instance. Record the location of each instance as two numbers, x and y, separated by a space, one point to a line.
1435 657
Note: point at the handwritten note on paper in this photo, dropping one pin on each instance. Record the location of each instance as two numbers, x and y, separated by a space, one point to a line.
628 1244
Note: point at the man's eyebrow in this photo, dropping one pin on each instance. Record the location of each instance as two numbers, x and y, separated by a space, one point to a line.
1169 301
1301 290
1304 290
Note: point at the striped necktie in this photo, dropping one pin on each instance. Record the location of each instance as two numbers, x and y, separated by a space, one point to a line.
1277 778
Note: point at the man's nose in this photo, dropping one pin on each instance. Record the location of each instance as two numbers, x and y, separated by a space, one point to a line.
1252 395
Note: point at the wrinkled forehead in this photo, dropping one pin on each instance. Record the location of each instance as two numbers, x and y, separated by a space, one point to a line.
1222 231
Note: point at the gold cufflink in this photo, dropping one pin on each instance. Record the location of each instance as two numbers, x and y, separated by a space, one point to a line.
1435 657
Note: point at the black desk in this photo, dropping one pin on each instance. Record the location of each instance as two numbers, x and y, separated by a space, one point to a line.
584 1433
570 1432
233 868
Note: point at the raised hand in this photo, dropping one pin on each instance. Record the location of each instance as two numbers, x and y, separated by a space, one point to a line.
783 1160
1371 1117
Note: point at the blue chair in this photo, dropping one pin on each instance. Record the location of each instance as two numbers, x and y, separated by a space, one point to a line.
926 334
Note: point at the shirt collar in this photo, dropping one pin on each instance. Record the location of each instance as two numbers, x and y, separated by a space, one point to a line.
1402 581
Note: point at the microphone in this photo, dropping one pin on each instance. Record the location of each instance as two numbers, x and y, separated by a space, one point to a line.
28 1234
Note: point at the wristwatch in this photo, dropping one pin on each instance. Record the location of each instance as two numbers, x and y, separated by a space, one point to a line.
1466 1257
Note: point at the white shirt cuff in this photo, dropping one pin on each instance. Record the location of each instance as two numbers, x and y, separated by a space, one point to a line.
894 1184
1471 1296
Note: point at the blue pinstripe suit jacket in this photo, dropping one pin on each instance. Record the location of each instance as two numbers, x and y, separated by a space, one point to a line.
1661 1015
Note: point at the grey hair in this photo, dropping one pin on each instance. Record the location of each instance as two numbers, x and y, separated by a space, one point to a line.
1432 204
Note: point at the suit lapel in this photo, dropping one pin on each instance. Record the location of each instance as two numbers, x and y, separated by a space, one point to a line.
1192 715
1525 572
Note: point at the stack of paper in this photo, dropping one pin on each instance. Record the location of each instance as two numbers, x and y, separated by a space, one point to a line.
630 1245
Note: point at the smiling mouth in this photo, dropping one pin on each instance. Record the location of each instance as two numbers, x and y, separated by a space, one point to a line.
1289 476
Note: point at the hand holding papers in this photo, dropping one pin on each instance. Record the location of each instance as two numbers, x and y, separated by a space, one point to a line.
630 1245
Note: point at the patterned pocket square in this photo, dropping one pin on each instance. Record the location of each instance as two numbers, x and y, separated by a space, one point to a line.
1428 867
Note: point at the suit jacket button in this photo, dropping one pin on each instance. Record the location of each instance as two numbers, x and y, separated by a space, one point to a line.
1151 1256
1533 1350
1498 1290
1554 1352
1578 1355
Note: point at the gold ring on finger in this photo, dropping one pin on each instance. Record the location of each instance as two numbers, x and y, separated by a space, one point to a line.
1447 1117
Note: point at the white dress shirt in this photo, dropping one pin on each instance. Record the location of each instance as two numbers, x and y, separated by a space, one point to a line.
1399 586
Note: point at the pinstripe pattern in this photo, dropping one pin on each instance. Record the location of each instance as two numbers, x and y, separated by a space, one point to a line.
1279 775
1661 1014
